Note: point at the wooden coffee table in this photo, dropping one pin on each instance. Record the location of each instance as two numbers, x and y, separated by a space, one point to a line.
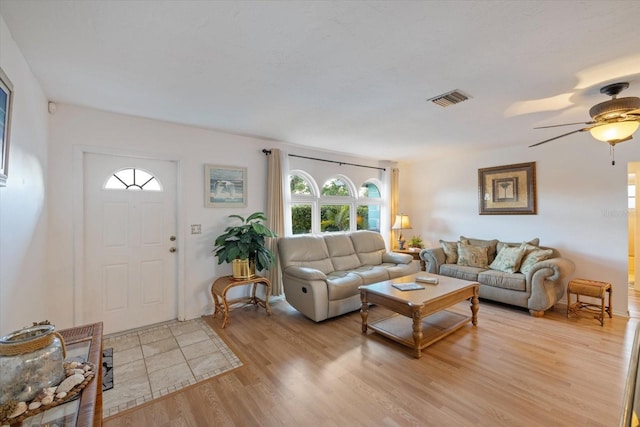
421 318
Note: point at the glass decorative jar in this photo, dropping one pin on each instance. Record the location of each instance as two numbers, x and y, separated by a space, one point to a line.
31 359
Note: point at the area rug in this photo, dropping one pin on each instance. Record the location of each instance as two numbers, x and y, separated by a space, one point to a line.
158 360
107 369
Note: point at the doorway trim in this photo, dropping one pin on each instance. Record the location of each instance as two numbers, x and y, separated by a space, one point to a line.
78 222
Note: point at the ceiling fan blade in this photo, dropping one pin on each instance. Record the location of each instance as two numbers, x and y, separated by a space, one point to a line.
559 136
633 113
565 124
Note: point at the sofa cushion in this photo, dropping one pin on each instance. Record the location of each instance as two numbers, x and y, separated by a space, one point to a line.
369 246
508 259
341 250
500 279
400 270
461 271
533 257
371 273
491 244
450 251
343 284
305 250
532 242
473 256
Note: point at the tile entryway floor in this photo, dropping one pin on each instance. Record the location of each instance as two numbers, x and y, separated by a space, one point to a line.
154 361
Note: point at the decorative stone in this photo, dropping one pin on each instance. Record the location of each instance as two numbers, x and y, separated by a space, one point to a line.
79 371
69 383
87 368
47 399
35 362
61 395
34 405
21 408
50 390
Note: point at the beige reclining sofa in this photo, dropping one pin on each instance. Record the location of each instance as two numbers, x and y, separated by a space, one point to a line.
321 273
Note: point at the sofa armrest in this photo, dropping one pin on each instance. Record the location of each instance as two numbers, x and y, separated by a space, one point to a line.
305 273
396 258
546 280
553 269
433 259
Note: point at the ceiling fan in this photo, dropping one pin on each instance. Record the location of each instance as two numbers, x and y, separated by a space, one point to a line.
613 121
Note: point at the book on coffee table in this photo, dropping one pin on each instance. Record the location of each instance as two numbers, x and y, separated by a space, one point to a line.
427 279
407 286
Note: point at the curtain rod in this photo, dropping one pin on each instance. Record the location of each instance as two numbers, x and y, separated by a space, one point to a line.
339 163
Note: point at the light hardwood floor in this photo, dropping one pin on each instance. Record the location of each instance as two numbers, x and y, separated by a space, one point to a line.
512 370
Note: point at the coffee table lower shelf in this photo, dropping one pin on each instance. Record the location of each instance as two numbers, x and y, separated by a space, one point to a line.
434 327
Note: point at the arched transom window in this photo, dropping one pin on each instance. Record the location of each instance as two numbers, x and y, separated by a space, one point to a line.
336 206
133 179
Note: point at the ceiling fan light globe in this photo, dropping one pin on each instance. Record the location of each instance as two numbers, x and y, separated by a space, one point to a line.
614 132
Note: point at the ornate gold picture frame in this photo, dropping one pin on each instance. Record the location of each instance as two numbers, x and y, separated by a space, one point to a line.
507 190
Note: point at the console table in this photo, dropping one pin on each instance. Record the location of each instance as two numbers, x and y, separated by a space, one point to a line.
83 343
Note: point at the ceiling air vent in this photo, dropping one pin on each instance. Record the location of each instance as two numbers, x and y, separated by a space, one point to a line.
449 98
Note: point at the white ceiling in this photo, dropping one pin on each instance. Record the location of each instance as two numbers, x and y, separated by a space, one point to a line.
344 76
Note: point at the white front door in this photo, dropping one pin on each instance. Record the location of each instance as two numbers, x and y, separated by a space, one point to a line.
129 241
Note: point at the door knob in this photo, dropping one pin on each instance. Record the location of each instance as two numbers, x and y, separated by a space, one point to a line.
172 250
172 238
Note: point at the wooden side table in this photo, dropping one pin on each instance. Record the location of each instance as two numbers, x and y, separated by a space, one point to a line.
415 255
221 286
593 289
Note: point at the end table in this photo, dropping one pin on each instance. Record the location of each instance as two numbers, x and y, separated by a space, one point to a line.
221 286
415 255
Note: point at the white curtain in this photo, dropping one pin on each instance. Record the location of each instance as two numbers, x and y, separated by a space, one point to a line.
275 214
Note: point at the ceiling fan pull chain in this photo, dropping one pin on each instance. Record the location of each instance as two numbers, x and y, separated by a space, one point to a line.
612 153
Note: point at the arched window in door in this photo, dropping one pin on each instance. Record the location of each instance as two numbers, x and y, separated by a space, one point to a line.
133 179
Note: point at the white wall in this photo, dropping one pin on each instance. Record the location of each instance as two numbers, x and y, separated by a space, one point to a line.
23 216
89 129
73 126
582 203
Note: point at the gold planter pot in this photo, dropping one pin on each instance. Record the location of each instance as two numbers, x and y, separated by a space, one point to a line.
243 268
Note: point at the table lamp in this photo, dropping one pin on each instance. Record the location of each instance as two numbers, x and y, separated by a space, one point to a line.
402 223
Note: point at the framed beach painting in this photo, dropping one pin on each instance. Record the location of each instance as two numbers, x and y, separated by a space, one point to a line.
6 101
507 190
225 186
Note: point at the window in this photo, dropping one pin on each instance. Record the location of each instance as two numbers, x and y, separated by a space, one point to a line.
299 185
335 187
336 206
304 199
369 203
133 179
334 217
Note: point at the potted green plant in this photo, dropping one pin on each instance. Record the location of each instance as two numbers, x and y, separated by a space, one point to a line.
416 242
243 246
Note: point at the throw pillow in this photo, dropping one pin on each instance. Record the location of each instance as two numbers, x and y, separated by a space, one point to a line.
532 242
508 259
450 251
533 257
473 256
491 244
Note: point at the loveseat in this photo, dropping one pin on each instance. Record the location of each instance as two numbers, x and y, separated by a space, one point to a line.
521 274
321 273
